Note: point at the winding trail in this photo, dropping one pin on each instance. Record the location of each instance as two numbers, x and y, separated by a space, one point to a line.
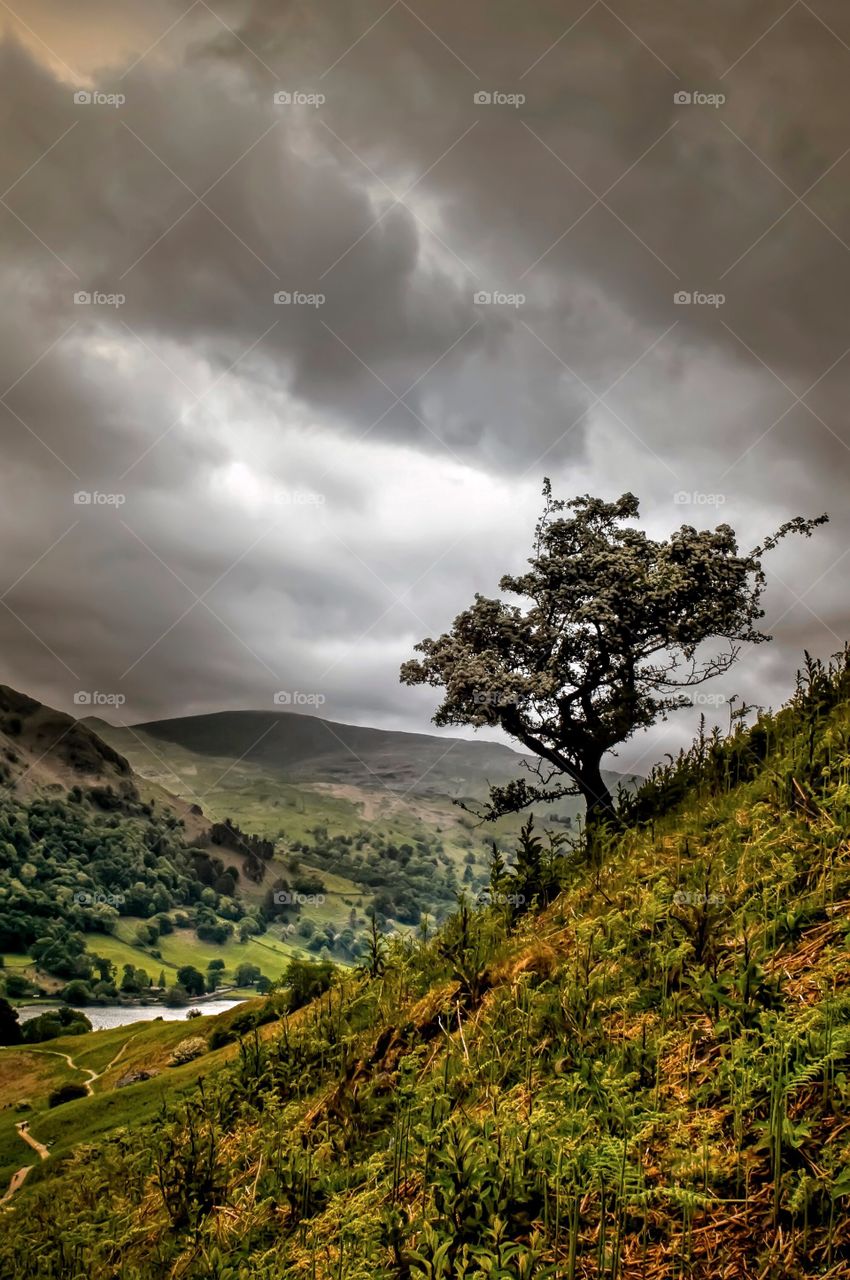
92 1075
97 1074
18 1178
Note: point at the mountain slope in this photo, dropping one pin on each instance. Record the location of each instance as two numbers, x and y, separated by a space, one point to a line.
649 1078
40 746
44 750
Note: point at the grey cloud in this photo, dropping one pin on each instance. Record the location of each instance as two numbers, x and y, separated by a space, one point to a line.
514 398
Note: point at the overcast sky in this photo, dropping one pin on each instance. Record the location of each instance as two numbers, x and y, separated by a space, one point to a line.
288 495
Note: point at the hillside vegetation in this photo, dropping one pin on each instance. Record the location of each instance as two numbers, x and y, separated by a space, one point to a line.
636 1068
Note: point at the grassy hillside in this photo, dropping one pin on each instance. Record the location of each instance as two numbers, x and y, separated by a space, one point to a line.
320 821
30 1073
40 747
98 861
645 1074
270 953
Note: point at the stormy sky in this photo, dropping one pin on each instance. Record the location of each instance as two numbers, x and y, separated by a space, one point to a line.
305 299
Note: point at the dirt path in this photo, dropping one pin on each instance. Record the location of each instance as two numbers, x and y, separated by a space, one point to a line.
92 1075
22 1126
97 1074
17 1179
23 1129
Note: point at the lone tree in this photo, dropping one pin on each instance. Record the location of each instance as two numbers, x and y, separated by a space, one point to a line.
609 635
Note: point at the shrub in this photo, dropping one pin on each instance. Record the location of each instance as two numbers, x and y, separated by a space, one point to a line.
220 1036
66 1093
187 1051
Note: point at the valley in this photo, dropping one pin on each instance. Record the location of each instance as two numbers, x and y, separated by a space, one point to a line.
290 832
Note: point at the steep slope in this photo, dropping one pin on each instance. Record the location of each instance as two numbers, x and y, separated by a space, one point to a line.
648 1078
40 746
46 751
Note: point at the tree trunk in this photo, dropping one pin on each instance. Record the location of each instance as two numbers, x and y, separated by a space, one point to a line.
602 817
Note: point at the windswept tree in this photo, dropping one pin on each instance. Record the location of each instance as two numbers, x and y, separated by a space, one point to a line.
611 631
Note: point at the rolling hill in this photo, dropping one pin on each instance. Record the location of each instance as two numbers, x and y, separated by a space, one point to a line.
46 751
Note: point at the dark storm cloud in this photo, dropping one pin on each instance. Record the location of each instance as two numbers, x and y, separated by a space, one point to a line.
280 210
422 420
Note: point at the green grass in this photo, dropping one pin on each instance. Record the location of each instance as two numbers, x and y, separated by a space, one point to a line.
646 1077
96 1049
26 1075
260 802
92 1118
31 1073
184 947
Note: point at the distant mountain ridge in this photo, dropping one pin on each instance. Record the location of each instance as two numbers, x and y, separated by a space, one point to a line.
307 748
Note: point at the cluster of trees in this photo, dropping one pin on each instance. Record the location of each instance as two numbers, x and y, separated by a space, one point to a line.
405 879
64 859
70 869
256 850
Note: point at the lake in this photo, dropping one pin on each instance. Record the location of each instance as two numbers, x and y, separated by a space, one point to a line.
104 1016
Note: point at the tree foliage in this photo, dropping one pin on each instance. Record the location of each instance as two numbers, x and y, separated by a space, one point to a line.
607 639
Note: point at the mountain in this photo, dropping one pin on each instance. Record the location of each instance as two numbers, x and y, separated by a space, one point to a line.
305 748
